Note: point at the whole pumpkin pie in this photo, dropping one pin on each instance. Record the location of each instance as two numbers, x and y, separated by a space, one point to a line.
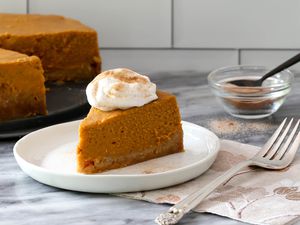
22 90
121 137
67 48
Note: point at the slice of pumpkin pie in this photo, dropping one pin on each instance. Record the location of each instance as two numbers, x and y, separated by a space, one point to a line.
129 122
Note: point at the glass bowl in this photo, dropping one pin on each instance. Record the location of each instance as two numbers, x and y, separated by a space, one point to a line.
250 102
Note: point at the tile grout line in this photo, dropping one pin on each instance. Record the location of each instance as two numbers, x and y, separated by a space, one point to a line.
199 48
270 49
239 56
166 48
27 6
172 24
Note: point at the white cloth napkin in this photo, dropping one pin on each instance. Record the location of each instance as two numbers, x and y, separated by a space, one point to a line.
253 195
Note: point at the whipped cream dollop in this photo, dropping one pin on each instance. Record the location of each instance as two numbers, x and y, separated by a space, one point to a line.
120 89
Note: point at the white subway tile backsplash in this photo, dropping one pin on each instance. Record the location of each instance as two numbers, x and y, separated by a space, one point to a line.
129 24
206 33
268 58
12 6
145 61
237 23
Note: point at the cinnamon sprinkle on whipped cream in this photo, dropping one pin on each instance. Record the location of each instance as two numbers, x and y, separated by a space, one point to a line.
120 89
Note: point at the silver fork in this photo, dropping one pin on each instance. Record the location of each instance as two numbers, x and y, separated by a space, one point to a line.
276 154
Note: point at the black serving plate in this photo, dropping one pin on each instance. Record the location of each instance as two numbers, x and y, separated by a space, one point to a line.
65 102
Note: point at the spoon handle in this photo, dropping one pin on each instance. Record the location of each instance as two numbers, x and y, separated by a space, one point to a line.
282 66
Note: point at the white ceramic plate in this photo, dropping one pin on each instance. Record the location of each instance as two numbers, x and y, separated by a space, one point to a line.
49 156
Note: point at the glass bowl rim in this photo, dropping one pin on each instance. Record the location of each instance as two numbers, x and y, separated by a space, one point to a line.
214 84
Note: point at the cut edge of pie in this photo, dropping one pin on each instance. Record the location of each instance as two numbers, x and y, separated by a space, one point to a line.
23 92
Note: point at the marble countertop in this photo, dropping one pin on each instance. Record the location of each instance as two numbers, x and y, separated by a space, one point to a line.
25 201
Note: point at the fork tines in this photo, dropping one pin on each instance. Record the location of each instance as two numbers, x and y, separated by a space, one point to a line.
281 141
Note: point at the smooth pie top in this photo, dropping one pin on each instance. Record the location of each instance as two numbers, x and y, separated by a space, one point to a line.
22 24
97 116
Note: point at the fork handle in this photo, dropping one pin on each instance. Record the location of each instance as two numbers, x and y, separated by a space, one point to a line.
195 198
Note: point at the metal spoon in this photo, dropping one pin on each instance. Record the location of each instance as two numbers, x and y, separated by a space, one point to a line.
255 83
